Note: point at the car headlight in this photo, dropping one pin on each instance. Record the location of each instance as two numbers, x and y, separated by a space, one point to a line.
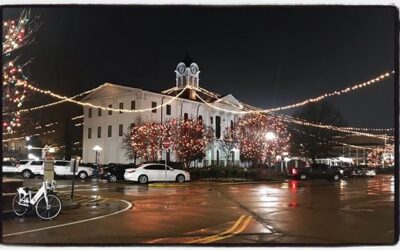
341 171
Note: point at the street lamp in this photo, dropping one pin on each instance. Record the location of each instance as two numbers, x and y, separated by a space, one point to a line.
97 149
29 147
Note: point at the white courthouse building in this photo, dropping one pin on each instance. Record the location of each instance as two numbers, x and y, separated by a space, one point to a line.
107 128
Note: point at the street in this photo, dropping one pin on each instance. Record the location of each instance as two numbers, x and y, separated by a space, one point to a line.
358 210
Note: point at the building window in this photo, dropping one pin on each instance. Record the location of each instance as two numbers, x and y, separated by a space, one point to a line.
218 127
99 112
217 158
200 119
121 106
231 125
211 120
90 112
110 111
109 132
89 133
121 130
153 105
98 132
133 105
168 109
185 116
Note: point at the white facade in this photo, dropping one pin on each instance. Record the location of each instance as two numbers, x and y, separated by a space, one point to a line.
106 129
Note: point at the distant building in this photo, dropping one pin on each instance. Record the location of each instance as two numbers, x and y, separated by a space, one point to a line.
106 128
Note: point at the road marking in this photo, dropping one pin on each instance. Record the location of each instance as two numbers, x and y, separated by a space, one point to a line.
72 223
227 233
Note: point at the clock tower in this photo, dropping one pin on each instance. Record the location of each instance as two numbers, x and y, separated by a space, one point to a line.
187 73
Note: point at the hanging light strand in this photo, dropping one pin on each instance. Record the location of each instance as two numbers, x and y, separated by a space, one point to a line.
87 104
370 82
334 142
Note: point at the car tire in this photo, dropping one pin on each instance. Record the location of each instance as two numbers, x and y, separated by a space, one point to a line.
112 178
143 179
336 177
303 177
82 175
180 178
27 174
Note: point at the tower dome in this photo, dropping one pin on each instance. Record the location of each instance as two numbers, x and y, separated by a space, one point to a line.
187 73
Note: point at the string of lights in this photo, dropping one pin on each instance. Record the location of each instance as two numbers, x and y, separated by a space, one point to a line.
304 123
51 104
25 136
87 104
372 81
334 142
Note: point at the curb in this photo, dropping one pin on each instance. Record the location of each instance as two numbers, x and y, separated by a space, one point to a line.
212 183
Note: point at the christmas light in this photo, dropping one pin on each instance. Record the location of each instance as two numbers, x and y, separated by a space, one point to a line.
290 119
372 81
53 103
87 104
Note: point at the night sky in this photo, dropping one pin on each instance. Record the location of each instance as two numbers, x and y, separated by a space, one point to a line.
264 56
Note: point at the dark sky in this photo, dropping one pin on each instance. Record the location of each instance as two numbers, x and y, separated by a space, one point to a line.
264 56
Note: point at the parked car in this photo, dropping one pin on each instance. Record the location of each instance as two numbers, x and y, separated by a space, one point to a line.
113 172
29 168
8 167
155 172
317 171
63 168
369 172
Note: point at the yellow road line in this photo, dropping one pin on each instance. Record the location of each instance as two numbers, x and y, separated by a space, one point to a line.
241 229
228 233
238 221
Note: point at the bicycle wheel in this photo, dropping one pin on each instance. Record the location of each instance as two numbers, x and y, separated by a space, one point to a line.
18 209
48 212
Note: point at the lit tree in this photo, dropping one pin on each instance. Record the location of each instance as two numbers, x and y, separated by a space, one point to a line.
262 137
146 140
189 139
381 156
228 143
16 34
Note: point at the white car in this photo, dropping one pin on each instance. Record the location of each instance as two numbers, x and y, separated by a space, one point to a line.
29 168
369 172
8 167
155 172
63 168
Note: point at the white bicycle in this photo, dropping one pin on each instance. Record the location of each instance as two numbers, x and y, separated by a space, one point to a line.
46 203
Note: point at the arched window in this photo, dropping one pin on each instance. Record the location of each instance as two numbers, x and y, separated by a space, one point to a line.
185 117
200 119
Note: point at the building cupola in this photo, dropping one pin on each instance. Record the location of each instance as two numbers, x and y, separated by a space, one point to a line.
187 73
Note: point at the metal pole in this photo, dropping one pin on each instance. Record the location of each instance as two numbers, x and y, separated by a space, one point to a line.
97 166
73 179
165 180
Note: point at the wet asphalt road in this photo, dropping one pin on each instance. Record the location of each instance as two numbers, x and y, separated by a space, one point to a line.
359 210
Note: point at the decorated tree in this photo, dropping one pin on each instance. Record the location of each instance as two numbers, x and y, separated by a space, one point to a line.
189 139
16 34
228 143
262 138
146 140
381 156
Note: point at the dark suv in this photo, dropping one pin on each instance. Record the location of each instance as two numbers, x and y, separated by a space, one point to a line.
317 171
